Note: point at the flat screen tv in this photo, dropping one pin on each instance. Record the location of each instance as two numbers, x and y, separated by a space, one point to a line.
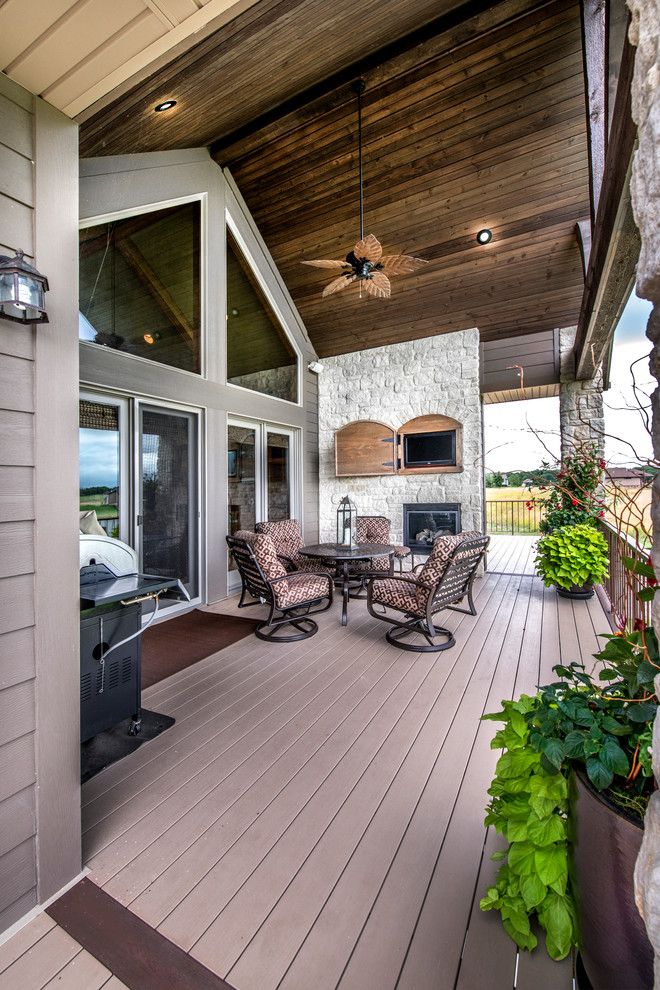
429 449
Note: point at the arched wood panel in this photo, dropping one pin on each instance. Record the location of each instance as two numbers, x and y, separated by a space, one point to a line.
365 447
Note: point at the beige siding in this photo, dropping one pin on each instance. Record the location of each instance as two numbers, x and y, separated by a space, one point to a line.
30 417
17 722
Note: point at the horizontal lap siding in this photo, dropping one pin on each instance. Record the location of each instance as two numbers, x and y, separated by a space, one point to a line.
311 459
17 697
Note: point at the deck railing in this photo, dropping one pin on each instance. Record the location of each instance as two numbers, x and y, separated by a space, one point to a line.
622 586
511 516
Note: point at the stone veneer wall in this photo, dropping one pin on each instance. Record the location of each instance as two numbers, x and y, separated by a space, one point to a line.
393 384
581 414
645 195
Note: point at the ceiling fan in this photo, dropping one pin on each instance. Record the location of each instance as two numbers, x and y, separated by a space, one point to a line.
366 264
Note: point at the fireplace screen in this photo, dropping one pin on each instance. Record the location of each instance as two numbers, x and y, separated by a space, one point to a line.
422 523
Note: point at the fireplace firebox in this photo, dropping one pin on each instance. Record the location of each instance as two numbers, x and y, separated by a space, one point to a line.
423 521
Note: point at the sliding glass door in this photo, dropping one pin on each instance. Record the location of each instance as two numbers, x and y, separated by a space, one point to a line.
168 512
262 476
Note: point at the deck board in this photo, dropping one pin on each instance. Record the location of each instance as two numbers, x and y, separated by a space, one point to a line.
321 822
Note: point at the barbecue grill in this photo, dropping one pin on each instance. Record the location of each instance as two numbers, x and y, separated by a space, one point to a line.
112 594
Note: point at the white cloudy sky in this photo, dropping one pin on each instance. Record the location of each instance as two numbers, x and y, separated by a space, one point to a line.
511 444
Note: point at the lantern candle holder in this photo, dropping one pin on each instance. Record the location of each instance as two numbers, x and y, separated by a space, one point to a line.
346 523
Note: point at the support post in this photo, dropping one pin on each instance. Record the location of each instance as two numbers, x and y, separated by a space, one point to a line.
645 195
581 416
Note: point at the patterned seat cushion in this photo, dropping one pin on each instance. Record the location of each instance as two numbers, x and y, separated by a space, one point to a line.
300 589
374 564
285 534
398 594
314 564
437 560
265 553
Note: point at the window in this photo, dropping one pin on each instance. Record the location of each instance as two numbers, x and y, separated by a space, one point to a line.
259 353
140 286
100 465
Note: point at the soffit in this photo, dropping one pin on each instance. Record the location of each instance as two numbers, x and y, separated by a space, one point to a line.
74 53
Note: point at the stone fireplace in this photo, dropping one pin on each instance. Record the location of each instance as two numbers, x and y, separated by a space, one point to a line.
392 385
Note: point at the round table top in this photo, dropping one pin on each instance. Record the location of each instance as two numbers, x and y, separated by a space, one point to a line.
363 551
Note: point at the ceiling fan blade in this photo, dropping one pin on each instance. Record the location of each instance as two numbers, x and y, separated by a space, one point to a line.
378 285
338 284
369 248
320 263
401 264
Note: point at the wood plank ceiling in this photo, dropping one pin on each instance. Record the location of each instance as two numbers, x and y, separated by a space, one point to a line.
478 125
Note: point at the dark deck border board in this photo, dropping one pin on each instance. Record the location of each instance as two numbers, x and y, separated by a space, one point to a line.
134 952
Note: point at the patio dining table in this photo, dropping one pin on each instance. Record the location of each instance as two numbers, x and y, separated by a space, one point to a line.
342 558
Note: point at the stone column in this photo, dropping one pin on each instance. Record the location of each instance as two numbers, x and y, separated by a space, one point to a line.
580 402
645 194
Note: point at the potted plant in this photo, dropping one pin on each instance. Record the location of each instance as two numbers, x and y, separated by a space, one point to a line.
569 795
572 558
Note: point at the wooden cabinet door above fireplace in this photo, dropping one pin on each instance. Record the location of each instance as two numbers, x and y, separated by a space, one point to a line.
438 440
424 445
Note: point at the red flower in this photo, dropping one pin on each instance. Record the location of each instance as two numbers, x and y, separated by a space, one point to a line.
574 501
638 625
601 463
600 515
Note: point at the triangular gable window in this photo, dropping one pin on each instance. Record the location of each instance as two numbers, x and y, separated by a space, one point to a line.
259 354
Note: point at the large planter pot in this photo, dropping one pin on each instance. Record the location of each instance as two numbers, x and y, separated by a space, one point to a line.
614 949
579 591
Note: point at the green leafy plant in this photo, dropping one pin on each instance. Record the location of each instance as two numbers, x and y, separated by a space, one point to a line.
572 556
598 723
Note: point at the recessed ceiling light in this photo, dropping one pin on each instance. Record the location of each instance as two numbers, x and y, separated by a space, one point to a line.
166 105
484 236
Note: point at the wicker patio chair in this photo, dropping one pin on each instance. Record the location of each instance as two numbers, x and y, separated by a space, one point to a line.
443 581
288 539
292 597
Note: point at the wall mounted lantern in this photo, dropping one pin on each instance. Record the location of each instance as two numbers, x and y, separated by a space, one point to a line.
346 522
22 290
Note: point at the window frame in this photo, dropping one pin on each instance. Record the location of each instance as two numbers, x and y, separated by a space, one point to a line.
250 257
136 211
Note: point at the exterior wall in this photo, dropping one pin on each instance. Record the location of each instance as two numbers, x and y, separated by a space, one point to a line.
581 415
110 185
39 672
645 194
393 384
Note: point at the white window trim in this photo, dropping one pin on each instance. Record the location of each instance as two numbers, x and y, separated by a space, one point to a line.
241 237
137 211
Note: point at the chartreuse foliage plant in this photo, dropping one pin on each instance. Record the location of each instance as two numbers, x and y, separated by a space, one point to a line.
528 806
572 556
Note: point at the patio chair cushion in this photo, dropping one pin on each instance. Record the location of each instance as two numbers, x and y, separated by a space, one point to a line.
402 595
285 534
299 589
375 529
265 553
441 550
288 539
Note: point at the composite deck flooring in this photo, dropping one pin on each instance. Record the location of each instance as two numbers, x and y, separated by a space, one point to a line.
314 819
